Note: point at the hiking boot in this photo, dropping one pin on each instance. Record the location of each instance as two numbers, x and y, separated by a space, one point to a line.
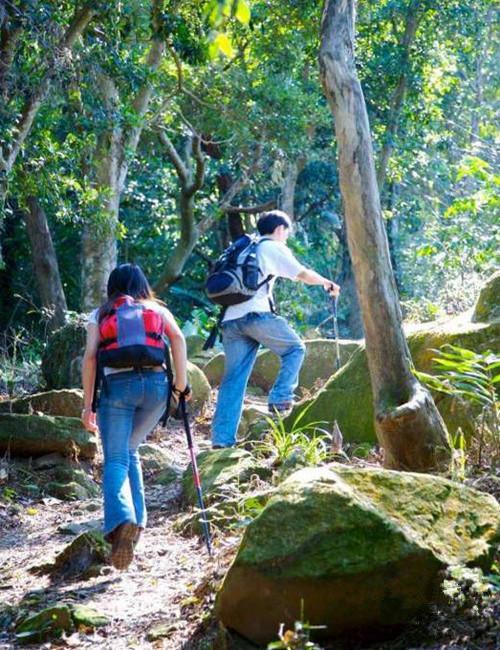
122 545
282 409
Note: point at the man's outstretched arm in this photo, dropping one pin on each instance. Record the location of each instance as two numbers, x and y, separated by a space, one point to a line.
308 276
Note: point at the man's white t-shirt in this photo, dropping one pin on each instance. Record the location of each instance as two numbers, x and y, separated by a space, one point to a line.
275 259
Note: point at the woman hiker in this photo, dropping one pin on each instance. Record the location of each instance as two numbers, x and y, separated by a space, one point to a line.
125 354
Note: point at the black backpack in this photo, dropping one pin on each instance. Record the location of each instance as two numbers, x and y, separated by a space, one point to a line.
235 276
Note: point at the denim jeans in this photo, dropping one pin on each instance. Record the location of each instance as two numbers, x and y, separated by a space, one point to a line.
129 408
241 339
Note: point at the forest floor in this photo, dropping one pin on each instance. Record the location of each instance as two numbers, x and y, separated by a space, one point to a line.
166 598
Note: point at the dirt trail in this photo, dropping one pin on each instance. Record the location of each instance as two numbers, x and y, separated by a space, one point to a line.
170 582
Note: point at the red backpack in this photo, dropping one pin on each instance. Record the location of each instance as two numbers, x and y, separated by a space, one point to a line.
131 335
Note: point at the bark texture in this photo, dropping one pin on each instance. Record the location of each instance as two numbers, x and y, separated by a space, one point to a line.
115 150
47 277
190 182
408 425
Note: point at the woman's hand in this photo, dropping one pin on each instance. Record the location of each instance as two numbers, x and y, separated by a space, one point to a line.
89 420
182 391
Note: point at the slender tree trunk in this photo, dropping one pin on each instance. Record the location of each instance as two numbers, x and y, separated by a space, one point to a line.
408 425
349 293
116 148
99 248
46 268
190 181
24 122
398 95
292 172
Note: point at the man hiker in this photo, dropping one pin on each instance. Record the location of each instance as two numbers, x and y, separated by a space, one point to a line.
252 323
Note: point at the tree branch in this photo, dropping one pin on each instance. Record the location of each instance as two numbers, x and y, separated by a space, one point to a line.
199 176
142 99
174 157
252 209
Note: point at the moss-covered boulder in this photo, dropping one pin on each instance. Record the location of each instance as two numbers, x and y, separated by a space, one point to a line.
319 363
347 396
199 386
67 491
36 435
79 476
153 458
62 358
194 344
57 619
168 476
487 307
251 416
363 548
214 369
221 472
66 402
82 558
50 623
87 618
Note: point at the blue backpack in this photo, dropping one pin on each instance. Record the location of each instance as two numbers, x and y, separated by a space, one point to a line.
235 276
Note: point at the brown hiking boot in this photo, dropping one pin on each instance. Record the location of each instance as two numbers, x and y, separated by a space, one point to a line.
122 548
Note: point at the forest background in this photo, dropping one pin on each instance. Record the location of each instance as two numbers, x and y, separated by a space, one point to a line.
155 132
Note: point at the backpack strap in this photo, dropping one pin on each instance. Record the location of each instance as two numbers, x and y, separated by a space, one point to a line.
212 337
170 379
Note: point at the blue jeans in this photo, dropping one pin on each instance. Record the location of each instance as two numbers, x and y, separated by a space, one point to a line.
129 408
241 338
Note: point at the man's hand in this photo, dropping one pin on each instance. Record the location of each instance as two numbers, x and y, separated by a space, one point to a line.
89 420
331 288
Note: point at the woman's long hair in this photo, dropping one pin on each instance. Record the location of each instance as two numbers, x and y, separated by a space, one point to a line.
126 280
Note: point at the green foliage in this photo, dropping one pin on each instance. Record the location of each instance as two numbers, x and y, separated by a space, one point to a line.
473 378
307 444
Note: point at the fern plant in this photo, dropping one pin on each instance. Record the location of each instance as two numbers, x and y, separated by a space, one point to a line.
473 378
310 441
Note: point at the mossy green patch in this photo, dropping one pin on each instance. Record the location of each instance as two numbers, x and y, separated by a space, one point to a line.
347 396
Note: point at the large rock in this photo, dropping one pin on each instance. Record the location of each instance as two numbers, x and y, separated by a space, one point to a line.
66 402
319 363
56 620
347 397
214 369
199 385
221 471
487 307
37 435
83 558
63 355
363 548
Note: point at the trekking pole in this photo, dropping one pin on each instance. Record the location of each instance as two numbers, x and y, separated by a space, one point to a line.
196 475
336 333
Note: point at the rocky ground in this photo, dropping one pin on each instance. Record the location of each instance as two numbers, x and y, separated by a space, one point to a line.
165 599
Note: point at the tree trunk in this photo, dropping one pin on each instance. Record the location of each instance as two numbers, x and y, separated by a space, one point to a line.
183 248
398 95
408 425
99 248
116 149
190 181
349 293
292 172
24 122
47 277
